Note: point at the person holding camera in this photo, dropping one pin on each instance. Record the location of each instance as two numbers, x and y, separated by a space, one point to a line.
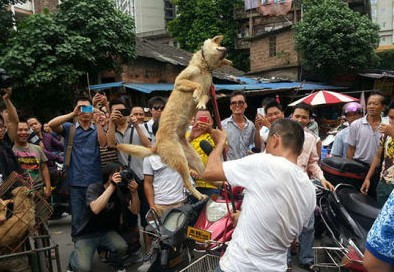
100 222
124 128
8 130
85 163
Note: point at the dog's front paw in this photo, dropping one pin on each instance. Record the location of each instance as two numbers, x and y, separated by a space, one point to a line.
201 106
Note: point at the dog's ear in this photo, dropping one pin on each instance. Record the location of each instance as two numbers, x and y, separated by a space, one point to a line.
6 202
218 39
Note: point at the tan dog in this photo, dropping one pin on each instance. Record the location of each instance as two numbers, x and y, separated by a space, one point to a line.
191 92
23 218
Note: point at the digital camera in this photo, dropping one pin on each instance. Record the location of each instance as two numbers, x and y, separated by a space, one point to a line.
127 175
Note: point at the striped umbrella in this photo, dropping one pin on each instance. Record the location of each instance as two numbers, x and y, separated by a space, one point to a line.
324 97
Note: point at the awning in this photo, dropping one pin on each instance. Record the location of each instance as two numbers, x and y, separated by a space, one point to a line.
106 85
152 87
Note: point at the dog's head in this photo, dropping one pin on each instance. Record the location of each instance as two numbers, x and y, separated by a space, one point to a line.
214 53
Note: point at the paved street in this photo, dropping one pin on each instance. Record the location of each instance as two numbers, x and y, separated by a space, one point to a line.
60 231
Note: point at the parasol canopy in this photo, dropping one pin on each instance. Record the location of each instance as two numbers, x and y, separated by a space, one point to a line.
324 97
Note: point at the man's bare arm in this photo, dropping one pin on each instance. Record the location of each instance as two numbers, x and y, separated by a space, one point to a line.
56 123
214 168
13 120
350 152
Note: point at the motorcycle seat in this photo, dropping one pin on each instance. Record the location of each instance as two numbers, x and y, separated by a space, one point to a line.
362 208
344 167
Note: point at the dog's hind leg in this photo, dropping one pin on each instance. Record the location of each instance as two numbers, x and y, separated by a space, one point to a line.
174 156
193 159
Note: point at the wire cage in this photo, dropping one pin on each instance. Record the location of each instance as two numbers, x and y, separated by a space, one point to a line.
339 258
26 211
206 263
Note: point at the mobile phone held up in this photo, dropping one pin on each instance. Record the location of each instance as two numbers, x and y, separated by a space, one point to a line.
125 112
261 111
203 119
87 109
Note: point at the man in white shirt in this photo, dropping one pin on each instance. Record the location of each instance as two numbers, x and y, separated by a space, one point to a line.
279 199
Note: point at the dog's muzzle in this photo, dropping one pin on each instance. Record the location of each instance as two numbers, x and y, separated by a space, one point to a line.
223 50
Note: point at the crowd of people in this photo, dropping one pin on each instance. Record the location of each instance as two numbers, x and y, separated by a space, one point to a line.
111 192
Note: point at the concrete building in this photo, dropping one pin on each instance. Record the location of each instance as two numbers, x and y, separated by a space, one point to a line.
269 39
151 17
382 13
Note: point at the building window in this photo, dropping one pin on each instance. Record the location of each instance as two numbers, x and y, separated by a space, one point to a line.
272 46
169 11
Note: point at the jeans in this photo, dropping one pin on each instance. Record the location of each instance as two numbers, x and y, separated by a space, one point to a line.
84 249
306 239
77 206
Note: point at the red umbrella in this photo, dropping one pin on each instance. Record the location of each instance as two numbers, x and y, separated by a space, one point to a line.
325 97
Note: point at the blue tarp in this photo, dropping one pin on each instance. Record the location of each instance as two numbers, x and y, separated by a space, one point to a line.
253 85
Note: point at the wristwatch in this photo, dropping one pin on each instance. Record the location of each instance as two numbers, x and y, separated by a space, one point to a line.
114 183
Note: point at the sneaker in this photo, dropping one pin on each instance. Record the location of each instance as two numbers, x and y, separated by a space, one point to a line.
121 270
309 267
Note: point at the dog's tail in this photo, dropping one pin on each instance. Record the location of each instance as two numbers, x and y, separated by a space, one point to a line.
135 150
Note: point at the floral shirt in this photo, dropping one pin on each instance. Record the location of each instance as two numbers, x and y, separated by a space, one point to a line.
387 173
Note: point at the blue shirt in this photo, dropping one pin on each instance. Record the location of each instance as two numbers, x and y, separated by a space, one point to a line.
339 147
85 163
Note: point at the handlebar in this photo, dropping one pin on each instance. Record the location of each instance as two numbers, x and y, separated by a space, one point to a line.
200 203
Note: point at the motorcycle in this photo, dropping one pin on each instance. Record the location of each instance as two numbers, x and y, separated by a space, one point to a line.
341 170
347 215
213 228
214 221
170 249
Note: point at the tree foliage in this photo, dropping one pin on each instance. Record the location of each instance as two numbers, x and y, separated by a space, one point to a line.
332 38
198 20
50 53
386 60
6 19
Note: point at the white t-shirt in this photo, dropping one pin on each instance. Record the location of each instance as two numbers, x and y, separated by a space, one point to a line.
167 183
279 200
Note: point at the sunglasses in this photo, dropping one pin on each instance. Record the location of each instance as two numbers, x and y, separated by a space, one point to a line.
158 107
238 103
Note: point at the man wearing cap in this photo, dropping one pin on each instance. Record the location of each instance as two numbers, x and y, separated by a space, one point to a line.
352 112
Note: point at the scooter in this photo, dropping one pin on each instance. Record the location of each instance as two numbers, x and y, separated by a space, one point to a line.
213 228
347 215
214 221
339 170
171 250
